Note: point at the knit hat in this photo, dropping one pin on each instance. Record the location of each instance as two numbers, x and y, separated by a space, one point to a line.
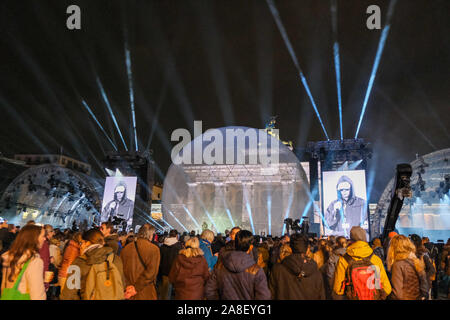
392 234
358 234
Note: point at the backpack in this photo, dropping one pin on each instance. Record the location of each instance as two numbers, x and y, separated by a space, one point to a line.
362 280
104 281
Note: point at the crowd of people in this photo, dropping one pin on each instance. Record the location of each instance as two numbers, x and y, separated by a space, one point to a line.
40 262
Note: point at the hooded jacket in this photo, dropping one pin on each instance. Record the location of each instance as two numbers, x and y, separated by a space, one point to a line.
296 278
188 276
357 251
237 277
169 251
353 211
93 255
123 209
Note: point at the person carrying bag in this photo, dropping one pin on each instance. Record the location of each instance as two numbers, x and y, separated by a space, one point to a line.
14 293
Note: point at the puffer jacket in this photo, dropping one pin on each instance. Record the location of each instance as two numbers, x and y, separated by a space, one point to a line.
70 254
237 277
359 250
296 278
407 282
188 276
93 255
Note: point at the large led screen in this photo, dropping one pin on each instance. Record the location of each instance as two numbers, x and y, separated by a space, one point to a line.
118 201
345 201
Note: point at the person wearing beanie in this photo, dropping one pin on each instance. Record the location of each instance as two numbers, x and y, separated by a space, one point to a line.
359 250
297 276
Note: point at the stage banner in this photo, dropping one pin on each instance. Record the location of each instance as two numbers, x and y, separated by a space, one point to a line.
345 201
118 201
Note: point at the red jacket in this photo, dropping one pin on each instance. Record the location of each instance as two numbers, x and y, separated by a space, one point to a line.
70 254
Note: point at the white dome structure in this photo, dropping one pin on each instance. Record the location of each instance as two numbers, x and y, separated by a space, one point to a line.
253 195
427 213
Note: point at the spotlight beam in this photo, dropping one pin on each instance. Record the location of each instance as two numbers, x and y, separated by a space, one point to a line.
130 83
170 212
285 37
98 123
373 74
105 98
337 61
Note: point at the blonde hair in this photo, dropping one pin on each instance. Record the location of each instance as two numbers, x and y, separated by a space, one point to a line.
402 248
207 235
192 248
285 250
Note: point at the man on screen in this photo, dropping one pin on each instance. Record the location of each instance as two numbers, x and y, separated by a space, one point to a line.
119 210
347 210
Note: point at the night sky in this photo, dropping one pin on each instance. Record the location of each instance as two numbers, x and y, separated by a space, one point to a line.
225 63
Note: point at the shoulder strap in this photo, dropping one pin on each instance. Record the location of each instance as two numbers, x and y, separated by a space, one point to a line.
19 278
139 255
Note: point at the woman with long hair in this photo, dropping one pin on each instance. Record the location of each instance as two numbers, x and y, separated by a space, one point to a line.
24 255
409 280
189 272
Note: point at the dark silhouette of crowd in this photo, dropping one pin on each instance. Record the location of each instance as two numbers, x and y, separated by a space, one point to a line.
40 262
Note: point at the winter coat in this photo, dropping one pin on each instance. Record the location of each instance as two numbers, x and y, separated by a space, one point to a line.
32 280
205 245
329 271
237 277
285 283
188 276
93 255
407 283
169 252
142 279
357 251
70 254
112 241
